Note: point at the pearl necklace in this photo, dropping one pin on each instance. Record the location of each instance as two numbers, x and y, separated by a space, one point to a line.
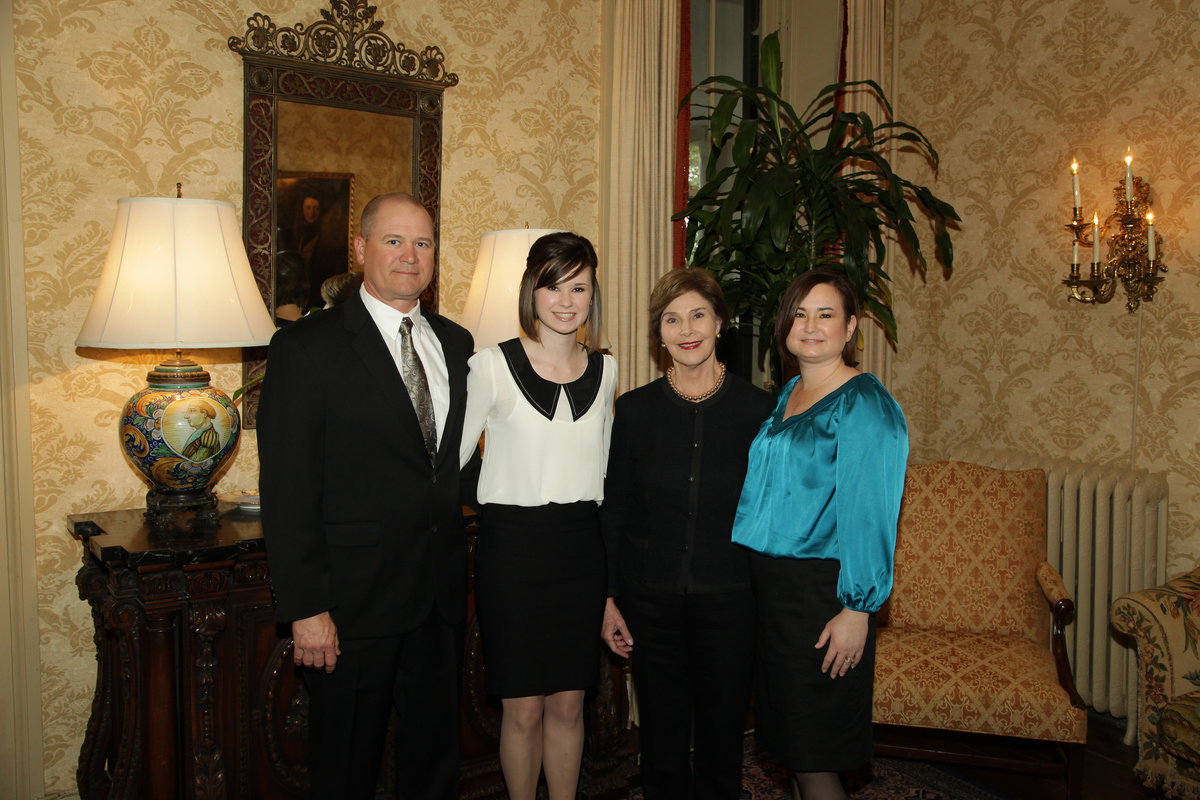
696 398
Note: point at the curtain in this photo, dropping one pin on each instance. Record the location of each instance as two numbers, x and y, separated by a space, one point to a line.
641 75
863 57
787 18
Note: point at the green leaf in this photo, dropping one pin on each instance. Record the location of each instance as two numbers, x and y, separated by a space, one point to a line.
743 144
779 204
722 116
771 63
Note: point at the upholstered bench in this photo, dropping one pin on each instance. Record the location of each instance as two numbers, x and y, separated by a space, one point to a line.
968 642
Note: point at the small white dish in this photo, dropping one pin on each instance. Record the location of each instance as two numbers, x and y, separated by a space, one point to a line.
247 501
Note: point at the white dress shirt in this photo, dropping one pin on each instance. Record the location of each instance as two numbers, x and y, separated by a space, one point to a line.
427 345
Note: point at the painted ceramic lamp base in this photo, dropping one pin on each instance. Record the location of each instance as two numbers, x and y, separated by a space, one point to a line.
179 432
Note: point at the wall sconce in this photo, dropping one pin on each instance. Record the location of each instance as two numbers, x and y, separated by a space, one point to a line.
490 313
177 276
1132 257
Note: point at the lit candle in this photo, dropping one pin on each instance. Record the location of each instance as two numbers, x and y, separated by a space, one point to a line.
1150 233
1096 238
1129 175
1075 184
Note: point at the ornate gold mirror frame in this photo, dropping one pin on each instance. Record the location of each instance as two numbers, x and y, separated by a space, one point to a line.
341 61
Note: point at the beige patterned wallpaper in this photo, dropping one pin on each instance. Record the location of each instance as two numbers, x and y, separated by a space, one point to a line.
118 98
997 358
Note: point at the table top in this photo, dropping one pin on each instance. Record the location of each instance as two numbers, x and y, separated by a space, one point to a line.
125 537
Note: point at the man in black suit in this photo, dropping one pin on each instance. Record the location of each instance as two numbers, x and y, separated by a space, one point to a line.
362 514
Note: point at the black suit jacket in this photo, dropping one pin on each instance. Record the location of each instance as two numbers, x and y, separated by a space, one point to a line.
357 520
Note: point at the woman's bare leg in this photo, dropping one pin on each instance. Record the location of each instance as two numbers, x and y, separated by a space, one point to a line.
521 733
562 749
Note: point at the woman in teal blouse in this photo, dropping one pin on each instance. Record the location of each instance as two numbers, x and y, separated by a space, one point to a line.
819 510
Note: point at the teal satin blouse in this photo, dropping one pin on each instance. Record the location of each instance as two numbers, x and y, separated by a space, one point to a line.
827 483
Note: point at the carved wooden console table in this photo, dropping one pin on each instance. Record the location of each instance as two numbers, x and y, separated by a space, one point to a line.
196 695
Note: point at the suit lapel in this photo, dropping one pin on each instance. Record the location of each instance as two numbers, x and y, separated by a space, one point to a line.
456 371
371 347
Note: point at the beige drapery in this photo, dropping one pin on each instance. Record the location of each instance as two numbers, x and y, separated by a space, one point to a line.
866 59
641 63
21 746
788 19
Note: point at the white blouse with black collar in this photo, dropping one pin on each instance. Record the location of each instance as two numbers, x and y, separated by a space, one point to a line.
546 442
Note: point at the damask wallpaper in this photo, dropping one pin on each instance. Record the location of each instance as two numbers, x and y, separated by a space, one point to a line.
118 98
997 357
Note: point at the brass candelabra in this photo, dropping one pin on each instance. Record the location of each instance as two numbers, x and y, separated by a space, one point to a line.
1132 253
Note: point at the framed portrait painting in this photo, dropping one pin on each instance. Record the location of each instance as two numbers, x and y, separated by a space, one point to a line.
316 210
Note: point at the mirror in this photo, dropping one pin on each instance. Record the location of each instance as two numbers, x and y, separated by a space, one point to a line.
335 112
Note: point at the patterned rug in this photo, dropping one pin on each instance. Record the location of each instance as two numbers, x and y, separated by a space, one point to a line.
888 779
897 779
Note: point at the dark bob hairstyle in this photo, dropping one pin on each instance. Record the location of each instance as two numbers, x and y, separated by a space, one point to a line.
799 289
552 258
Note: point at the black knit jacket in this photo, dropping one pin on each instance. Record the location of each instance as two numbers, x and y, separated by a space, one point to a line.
675 472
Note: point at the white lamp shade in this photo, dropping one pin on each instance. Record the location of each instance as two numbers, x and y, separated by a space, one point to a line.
176 277
491 310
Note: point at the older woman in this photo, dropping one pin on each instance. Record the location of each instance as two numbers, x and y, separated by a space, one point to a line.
678 585
819 507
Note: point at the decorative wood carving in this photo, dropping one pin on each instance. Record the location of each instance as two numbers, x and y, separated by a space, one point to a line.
208 761
197 696
347 35
344 60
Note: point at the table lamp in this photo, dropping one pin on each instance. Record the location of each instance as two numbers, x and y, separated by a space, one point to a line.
490 313
177 277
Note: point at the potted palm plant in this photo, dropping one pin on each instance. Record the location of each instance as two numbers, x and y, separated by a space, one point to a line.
785 192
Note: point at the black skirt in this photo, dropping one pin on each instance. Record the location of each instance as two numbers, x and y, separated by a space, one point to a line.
808 721
540 583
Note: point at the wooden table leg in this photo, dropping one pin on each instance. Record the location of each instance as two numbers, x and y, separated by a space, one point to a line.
161 708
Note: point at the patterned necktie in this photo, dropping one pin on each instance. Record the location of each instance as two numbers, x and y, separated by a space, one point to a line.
418 387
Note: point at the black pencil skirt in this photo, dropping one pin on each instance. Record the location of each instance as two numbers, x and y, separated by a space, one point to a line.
540 583
808 721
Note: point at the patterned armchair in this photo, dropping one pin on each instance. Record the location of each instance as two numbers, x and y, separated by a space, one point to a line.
968 642
1165 624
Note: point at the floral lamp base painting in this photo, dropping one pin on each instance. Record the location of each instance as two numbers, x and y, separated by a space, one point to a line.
178 432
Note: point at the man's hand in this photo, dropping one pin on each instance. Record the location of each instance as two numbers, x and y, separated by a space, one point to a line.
614 631
315 642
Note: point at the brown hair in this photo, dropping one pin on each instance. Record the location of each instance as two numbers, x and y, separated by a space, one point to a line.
676 283
553 258
339 288
796 292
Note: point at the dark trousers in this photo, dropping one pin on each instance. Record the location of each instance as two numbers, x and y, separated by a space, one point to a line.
417 673
692 669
